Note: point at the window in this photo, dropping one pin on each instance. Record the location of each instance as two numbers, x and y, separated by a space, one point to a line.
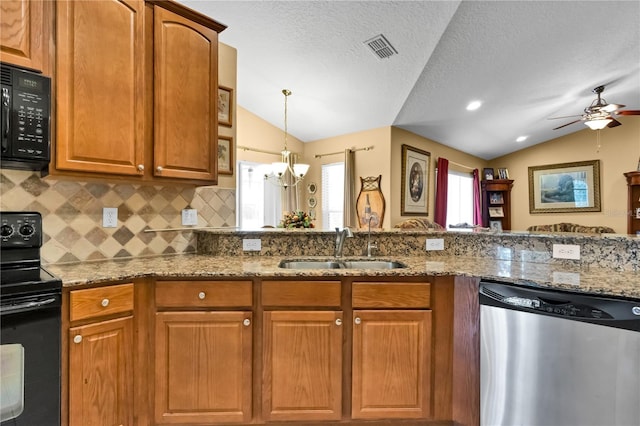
460 198
332 195
258 201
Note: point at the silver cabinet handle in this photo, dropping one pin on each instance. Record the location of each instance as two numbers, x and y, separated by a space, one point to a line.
105 303
201 295
141 167
357 320
159 169
246 322
77 339
339 321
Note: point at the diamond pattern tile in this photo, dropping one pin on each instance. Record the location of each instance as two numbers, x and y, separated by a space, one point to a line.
72 215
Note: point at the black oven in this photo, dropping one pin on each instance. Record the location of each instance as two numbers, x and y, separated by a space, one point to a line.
30 323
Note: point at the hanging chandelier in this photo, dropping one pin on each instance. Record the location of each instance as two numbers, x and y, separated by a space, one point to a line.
287 172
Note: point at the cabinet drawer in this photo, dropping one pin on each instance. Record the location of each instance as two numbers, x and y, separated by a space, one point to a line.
391 295
301 293
203 294
95 302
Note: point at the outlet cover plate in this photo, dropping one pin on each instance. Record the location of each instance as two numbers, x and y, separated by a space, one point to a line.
189 217
251 244
566 251
435 244
110 217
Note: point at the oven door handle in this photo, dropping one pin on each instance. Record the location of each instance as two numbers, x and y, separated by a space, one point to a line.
28 306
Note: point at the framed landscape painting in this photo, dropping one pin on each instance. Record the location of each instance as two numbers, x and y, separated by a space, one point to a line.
415 181
565 187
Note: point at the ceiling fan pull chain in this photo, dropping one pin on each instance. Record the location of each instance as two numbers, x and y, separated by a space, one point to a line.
598 141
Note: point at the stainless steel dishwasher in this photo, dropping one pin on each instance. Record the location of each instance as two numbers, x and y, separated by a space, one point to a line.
551 358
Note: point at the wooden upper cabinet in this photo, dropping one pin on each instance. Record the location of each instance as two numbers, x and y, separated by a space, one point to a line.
24 33
100 59
185 96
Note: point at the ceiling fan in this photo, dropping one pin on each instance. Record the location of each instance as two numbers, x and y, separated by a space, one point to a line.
599 114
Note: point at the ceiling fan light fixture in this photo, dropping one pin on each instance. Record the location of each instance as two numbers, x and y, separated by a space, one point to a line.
598 123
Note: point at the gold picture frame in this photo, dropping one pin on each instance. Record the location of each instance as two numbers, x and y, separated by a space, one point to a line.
415 181
225 106
225 155
565 187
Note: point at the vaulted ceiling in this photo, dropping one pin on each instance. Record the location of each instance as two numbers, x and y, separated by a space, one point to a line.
526 61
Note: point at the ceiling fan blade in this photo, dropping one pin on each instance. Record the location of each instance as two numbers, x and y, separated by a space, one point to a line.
629 112
565 116
614 123
565 125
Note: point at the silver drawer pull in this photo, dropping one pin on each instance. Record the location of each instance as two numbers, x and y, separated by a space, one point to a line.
105 303
201 295
246 322
77 339
357 320
339 321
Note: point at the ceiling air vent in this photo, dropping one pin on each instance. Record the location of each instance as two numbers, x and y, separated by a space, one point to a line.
381 47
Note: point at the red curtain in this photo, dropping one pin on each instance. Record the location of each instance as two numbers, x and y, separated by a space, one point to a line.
477 208
442 183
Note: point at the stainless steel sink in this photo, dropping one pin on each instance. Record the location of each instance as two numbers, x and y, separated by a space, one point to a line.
341 264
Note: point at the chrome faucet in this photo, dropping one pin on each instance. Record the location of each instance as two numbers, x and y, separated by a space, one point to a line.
370 245
340 237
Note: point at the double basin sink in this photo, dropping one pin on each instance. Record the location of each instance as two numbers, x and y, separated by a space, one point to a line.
341 264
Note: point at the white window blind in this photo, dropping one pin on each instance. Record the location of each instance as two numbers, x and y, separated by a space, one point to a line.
332 195
460 198
258 201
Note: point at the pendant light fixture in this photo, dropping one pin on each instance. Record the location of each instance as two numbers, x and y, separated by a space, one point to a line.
287 172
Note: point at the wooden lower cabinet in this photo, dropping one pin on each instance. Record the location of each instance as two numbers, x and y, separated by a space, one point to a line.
302 366
391 375
101 373
203 367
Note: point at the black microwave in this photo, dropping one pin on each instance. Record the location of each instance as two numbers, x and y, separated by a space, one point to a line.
26 106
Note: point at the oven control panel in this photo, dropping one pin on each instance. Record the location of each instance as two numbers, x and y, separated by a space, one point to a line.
20 229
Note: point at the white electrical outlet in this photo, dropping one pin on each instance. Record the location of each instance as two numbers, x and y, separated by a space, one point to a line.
566 251
110 217
189 217
435 244
250 244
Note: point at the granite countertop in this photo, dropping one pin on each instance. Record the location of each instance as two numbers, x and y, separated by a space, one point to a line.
586 279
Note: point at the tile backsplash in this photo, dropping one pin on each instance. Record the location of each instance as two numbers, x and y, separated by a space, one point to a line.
72 215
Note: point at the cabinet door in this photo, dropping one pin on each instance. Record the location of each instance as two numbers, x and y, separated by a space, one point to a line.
100 373
24 26
185 96
391 375
302 366
100 86
203 367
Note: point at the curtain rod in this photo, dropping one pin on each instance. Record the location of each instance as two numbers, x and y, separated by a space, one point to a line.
462 165
366 148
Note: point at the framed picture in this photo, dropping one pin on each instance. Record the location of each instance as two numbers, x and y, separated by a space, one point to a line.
565 187
495 225
503 174
225 155
488 174
496 212
415 181
496 198
225 106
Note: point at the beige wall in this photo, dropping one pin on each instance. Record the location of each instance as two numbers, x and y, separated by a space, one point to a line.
400 137
619 152
227 76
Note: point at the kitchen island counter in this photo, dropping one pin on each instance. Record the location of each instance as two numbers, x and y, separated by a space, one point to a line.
584 279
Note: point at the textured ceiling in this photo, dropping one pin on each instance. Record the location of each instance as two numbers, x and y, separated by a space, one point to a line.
525 60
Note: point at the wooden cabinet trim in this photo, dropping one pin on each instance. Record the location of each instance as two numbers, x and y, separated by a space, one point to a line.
391 295
301 293
100 301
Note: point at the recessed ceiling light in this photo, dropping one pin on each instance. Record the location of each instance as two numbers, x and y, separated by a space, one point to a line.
474 105
521 139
